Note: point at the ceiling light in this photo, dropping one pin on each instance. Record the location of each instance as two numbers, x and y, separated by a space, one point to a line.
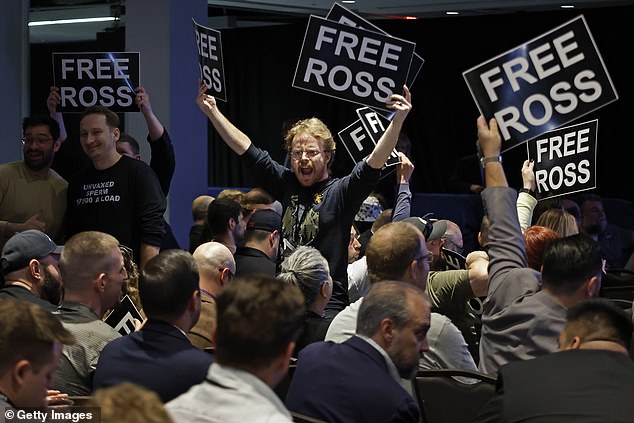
451 13
348 1
567 6
73 21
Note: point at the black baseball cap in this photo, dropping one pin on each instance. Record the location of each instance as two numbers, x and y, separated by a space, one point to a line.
26 246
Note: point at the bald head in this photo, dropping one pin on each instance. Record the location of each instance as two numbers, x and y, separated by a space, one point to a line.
199 208
452 237
212 255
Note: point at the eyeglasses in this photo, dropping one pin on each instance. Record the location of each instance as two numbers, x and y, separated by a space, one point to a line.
429 257
37 140
298 155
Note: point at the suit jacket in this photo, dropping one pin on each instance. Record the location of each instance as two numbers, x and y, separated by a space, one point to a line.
159 357
580 386
348 382
251 260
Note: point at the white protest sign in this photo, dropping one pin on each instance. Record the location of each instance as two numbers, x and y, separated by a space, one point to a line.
352 64
210 62
375 125
543 84
565 160
96 79
340 14
357 142
122 317
454 260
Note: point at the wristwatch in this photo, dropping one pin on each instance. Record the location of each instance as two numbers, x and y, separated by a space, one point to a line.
490 159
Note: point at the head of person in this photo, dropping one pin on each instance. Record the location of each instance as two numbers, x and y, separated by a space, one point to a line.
543 205
433 232
169 289
452 238
572 267
397 251
31 343
537 239
559 221
40 141
199 208
354 246
311 148
249 308
597 323
572 207
127 145
309 270
93 270
396 316
32 257
370 209
128 402
382 219
256 199
99 132
231 194
131 283
224 216
216 266
593 219
263 232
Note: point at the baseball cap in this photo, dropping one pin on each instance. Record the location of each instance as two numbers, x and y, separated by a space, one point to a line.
25 246
431 229
264 220
370 209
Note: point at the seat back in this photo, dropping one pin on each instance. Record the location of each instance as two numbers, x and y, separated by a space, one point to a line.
444 399
300 418
618 284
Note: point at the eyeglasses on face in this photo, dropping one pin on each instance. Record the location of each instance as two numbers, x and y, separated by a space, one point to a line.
299 154
427 257
35 140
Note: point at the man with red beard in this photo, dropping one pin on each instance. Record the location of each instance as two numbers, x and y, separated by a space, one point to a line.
318 209
32 195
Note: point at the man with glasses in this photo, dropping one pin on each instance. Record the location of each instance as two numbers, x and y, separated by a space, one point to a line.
32 195
318 209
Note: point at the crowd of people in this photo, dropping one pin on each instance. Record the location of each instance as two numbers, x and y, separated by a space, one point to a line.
306 269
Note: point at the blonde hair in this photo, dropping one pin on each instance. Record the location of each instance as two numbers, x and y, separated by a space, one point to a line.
312 127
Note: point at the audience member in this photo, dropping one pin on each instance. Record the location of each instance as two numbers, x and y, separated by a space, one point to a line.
216 268
131 283
225 223
261 244
31 341
359 380
318 209
115 194
93 273
29 266
127 402
559 221
199 215
590 379
616 243
537 239
354 246
369 210
524 313
397 252
259 319
32 195
231 194
256 199
159 356
308 269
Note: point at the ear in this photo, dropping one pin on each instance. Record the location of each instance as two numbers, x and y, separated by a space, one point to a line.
575 344
35 269
323 291
328 156
231 223
593 286
20 371
101 282
387 331
412 270
194 301
56 145
117 134
224 276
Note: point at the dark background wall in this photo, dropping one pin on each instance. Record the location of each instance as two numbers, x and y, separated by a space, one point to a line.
260 63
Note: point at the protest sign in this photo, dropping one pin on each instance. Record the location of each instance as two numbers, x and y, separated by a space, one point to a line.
375 125
122 317
340 14
543 84
351 63
455 261
210 62
357 142
96 79
565 160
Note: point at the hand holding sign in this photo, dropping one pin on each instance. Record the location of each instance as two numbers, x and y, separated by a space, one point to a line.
401 103
206 102
528 175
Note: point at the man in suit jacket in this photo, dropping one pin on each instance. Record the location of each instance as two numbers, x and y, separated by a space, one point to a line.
591 378
359 380
160 357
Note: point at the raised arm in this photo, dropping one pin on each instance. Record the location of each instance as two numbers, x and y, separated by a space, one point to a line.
491 143
232 136
154 125
402 104
403 204
53 100
526 200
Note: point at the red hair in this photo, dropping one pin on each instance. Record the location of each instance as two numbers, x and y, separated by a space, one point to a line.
537 239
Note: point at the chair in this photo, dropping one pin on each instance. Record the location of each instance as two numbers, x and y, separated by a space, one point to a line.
444 399
618 284
282 388
301 418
